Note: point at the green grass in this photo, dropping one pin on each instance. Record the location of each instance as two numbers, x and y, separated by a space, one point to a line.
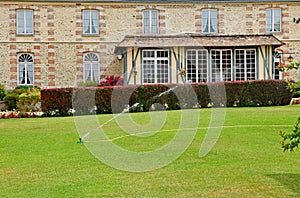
40 158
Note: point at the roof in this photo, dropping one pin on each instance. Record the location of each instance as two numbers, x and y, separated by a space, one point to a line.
199 40
155 1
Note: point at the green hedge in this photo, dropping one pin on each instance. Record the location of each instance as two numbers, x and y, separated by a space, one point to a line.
115 99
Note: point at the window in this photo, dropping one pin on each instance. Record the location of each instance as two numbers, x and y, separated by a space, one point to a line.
25 69
91 67
277 60
196 65
221 65
90 22
150 22
209 21
24 22
245 64
273 20
155 66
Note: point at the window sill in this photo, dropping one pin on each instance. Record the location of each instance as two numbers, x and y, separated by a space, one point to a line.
29 35
90 35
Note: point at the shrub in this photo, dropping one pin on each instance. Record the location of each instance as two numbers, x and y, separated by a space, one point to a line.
88 84
294 87
23 98
11 100
291 140
115 99
57 101
112 81
3 92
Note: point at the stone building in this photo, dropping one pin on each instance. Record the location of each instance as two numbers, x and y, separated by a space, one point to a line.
55 43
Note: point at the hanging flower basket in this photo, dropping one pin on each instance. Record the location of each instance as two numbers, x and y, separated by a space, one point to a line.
281 67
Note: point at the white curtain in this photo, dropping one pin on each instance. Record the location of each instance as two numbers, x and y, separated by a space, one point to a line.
96 73
21 74
87 72
30 73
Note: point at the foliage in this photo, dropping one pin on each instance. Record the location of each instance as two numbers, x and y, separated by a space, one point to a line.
291 66
23 98
291 140
88 84
3 92
294 87
56 101
112 81
115 99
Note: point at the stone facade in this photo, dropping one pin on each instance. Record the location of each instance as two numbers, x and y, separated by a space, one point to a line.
58 43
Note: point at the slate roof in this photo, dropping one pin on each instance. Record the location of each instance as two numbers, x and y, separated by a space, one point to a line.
199 40
155 1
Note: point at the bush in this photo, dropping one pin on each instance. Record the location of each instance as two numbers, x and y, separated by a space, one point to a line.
3 92
116 99
112 81
291 140
23 98
57 101
88 84
294 87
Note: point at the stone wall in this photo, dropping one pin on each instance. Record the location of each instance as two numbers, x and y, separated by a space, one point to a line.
58 44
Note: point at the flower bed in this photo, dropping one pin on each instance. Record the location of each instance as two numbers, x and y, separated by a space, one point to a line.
13 114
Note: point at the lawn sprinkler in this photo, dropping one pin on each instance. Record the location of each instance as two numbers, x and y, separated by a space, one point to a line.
80 141
126 110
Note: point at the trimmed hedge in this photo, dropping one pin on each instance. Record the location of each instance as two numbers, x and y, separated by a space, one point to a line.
115 99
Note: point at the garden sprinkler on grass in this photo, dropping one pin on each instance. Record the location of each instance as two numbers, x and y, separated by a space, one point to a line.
81 139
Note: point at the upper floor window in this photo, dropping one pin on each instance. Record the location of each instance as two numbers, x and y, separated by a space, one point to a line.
25 69
90 22
91 67
273 20
150 21
24 22
209 21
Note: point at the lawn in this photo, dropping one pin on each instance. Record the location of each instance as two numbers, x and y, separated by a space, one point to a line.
40 157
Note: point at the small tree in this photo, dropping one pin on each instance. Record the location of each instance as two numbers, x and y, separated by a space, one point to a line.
291 140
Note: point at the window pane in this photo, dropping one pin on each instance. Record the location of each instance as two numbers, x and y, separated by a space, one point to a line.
209 21
90 22
24 21
29 22
155 66
150 21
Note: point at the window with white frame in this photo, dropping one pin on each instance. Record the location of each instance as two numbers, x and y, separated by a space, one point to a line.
25 22
150 22
25 69
196 65
277 60
245 64
90 22
155 66
221 65
273 20
209 21
91 67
